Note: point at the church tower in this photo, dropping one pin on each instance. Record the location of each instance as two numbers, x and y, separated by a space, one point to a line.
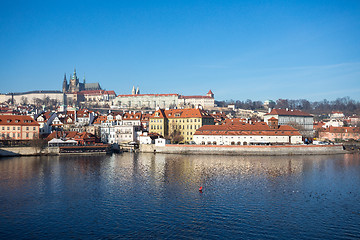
133 92
65 85
74 81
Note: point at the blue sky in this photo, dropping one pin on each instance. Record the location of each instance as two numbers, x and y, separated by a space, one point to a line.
239 49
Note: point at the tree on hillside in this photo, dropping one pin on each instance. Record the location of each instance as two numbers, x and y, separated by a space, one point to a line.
23 100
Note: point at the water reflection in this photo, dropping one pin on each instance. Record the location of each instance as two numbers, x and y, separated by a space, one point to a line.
156 195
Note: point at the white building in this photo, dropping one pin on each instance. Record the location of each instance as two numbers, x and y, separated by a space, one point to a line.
127 133
337 115
296 118
45 121
195 101
153 101
246 134
120 128
333 123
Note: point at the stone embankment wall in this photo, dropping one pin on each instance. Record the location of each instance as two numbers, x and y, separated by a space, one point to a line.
245 150
27 151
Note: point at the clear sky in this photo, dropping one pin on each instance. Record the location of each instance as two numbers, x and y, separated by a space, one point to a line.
239 49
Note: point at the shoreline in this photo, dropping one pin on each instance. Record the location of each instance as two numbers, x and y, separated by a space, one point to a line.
251 150
245 150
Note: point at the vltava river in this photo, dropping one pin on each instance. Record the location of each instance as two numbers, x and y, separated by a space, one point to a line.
147 196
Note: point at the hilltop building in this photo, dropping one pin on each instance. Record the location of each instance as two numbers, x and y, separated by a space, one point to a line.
75 85
135 100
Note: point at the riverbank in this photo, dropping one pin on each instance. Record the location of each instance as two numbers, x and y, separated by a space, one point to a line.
244 150
191 149
71 150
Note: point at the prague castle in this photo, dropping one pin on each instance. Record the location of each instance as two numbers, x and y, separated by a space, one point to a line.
135 100
75 86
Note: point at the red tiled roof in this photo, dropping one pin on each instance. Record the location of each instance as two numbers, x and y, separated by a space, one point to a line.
110 92
198 97
17 120
100 119
91 92
152 95
210 92
284 112
182 113
343 130
132 116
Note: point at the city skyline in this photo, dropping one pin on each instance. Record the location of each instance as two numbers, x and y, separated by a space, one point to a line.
239 50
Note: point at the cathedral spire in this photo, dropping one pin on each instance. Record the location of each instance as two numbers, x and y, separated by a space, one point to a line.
65 85
84 78
74 76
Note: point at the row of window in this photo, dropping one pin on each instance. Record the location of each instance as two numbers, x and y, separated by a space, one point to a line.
156 127
177 120
18 128
14 135
187 127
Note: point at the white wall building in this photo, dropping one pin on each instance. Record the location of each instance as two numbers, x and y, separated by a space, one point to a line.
45 121
127 133
153 101
246 134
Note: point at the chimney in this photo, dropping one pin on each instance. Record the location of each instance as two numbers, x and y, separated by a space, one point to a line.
287 109
270 110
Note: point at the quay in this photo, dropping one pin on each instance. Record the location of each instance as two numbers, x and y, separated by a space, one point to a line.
244 150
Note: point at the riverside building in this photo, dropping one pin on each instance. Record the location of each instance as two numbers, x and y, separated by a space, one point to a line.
183 121
258 133
18 127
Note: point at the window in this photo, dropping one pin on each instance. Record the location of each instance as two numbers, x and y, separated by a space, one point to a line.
27 128
34 128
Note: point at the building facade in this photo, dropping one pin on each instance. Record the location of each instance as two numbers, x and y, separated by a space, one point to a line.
75 85
339 134
247 134
183 121
135 100
301 120
18 127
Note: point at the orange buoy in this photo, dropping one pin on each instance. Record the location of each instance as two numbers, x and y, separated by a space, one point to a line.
200 189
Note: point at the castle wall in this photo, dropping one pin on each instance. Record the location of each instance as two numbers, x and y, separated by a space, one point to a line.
32 96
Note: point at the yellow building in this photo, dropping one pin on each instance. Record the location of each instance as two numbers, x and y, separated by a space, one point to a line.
184 121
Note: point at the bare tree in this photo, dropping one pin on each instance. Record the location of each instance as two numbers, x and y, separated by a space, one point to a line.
23 100
176 137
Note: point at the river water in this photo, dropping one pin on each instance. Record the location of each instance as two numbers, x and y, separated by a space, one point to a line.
147 196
